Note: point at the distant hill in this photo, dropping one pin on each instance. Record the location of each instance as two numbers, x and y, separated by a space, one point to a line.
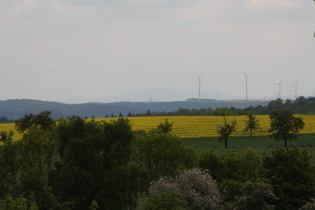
14 109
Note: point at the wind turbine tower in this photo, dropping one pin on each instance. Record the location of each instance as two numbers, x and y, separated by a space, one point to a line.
295 90
279 84
199 80
246 85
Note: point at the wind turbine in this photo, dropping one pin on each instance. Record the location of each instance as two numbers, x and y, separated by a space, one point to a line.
199 80
280 86
246 85
295 89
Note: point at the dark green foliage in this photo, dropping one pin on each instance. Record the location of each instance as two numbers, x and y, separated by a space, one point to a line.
238 178
275 105
309 205
224 111
256 196
95 163
20 203
26 166
83 164
5 136
284 126
165 201
165 127
42 120
301 105
163 154
251 163
292 177
213 164
9 165
37 150
230 166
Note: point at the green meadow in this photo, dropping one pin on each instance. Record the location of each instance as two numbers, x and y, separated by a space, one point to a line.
262 144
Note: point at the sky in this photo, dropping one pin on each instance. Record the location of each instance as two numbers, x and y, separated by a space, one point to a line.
102 50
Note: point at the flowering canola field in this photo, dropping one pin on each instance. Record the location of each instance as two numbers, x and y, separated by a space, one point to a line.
206 126
194 126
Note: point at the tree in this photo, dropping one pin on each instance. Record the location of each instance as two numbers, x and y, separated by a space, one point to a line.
165 200
9 165
251 163
165 127
96 164
256 196
284 126
251 124
195 186
275 105
213 163
309 205
292 176
163 154
5 136
42 120
223 111
230 166
37 156
225 131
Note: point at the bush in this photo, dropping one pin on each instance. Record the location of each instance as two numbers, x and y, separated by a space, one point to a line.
195 186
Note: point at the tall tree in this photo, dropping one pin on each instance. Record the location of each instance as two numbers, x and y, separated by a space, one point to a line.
9 165
37 155
165 127
195 186
292 176
42 120
5 136
96 164
251 124
226 129
284 126
163 154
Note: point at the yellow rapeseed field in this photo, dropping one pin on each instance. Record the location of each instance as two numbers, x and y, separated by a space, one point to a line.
206 126
194 126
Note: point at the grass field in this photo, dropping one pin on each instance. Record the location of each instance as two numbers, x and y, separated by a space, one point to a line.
262 144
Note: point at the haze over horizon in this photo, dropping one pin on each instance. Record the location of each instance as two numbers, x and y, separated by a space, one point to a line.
58 50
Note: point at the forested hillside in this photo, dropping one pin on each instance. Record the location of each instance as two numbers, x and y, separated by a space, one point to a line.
14 109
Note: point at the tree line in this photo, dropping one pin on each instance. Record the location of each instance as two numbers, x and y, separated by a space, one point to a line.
75 163
301 105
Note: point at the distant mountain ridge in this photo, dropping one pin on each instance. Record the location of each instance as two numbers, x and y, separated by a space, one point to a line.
17 108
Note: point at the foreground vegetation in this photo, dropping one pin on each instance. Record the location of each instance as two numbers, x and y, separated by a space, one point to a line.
88 164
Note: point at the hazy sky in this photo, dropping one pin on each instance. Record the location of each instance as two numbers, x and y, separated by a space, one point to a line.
59 49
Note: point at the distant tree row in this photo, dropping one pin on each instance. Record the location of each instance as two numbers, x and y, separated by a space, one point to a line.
4 119
301 105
